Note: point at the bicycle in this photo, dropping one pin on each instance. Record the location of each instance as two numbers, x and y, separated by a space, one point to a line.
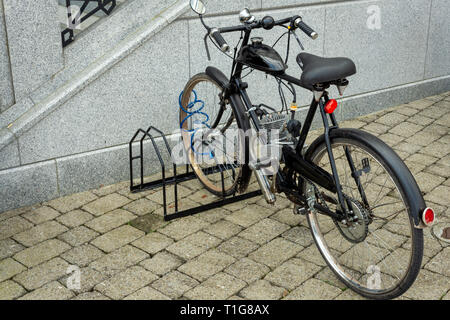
364 208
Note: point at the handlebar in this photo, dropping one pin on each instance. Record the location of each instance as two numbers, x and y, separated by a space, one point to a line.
295 22
215 34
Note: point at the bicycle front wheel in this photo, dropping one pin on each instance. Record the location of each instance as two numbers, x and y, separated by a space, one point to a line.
379 253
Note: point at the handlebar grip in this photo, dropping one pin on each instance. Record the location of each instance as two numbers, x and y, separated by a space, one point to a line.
306 29
217 36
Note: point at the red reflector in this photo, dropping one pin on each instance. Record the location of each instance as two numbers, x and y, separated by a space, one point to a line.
428 216
331 106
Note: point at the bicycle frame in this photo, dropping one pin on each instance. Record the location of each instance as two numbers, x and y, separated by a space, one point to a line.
332 181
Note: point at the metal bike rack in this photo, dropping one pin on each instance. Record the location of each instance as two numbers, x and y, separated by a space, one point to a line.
140 137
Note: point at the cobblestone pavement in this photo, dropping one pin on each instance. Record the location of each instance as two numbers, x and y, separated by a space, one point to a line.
247 250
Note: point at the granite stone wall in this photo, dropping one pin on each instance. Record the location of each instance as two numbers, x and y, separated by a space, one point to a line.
59 137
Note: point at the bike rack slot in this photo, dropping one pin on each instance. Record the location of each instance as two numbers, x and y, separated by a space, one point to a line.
142 136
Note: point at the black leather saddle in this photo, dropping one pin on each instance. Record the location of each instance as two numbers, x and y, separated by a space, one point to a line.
324 70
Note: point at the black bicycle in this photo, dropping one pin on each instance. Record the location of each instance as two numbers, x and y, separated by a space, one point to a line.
364 207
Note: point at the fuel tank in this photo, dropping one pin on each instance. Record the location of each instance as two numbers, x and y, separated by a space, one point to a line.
261 57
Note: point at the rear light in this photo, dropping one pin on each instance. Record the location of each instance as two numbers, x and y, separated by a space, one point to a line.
331 106
428 217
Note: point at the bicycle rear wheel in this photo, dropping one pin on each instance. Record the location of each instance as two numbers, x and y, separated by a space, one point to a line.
379 254
212 136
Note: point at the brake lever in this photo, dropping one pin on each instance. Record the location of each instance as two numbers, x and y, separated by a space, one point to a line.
298 40
205 39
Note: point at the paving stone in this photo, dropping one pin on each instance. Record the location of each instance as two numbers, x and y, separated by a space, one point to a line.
428 286
436 130
106 204
262 290
78 236
436 149
422 139
427 182
147 293
223 229
206 265
142 207
202 196
72 202
10 290
162 263
83 255
9 268
384 239
327 276
212 216
118 260
16 212
355 124
288 217
183 204
89 296
13 226
406 110
9 247
110 221
264 231
126 282
349 295
237 206
174 284
237 247
439 195
117 238
38 276
292 273
105 190
194 245
421 104
407 147
247 270
414 167
445 161
148 223
89 278
300 235
41 215
249 215
153 242
440 263
391 119
41 252
406 129
40 233
170 195
275 252
75 218
180 229
313 255
280 204
391 139
421 120
219 287
376 128
434 112
314 289
439 170
52 291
